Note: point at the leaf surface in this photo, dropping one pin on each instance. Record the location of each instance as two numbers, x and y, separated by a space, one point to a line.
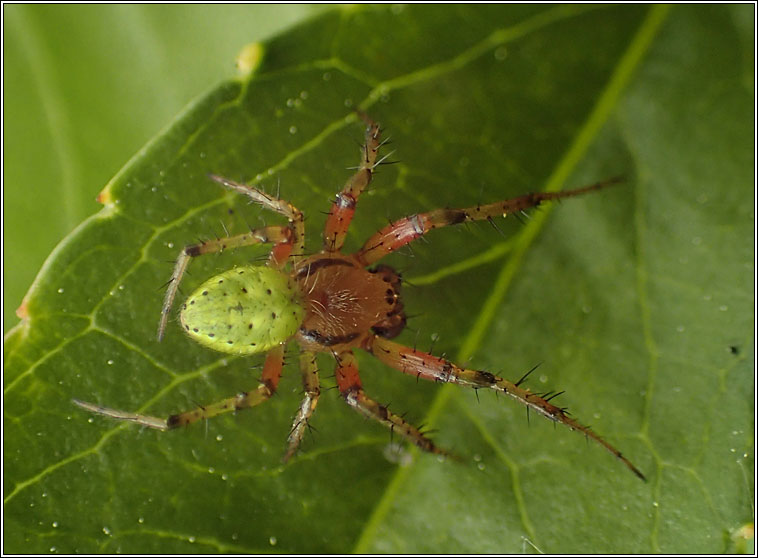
637 301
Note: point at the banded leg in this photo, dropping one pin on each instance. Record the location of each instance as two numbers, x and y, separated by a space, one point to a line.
281 237
407 229
343 207
429 367
349 384
294 216
307 406
272 371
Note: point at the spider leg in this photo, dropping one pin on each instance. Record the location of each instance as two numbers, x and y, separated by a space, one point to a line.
272 371
349 384
407 229
343 207
294 215
281 237
307 406
423 365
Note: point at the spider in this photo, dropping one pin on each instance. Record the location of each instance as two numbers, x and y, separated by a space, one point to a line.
330 302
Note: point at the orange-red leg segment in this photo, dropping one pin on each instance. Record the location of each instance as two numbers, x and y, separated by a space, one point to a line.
343 207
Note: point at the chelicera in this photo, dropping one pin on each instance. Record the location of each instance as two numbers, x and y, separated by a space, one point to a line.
330 302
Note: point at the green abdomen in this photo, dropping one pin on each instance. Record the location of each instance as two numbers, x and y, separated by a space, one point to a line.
245 310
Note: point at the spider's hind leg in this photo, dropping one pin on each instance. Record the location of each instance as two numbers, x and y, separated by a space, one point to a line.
429 367
272 371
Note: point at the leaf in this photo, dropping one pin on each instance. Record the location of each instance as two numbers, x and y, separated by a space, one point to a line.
636 300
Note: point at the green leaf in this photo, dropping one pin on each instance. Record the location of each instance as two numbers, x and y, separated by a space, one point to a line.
637 300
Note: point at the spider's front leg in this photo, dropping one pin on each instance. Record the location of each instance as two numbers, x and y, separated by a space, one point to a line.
404 231
343 207
429 367
272 371
349 384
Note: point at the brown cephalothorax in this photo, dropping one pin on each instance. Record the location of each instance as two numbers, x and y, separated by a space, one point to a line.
345 303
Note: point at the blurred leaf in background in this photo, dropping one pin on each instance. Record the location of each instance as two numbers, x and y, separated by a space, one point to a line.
637 300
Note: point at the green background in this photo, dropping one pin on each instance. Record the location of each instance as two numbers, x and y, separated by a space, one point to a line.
638 300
